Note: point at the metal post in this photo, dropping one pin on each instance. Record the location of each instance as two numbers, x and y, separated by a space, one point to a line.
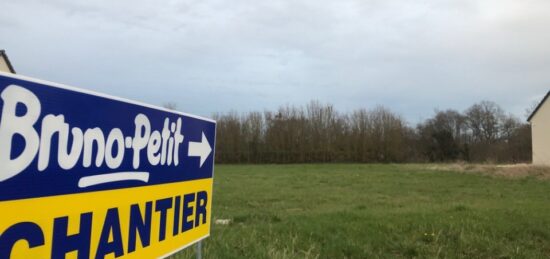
199 249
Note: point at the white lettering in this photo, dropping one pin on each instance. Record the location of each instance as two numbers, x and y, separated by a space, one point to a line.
68 159
153 148
165 135
20 112
91 136
178 140
50 125
12 124
141 137
114 136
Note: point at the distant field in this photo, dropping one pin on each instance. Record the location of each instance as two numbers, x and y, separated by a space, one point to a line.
375 211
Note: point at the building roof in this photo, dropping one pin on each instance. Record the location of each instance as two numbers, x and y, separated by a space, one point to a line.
4 56
538 106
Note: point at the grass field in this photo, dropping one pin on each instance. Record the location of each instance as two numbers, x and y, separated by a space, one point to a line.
375 211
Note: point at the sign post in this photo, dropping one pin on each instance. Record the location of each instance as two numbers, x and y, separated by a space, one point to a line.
88 175
199 250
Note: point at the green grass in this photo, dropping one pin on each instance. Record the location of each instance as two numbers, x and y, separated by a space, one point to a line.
375 211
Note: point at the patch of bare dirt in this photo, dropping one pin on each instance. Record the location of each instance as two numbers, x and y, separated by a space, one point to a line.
515 171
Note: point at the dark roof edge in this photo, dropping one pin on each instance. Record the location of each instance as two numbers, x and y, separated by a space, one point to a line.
3 54
538 107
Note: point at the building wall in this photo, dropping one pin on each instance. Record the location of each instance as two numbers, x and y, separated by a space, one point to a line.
540 132
3 65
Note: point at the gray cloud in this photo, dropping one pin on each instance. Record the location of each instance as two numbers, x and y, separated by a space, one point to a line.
210 56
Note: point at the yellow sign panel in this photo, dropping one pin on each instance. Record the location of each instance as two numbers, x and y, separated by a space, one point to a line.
141 222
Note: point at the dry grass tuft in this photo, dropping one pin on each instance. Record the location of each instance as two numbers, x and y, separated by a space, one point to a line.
514 171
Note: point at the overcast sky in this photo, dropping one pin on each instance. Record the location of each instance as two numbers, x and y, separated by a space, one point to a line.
243 55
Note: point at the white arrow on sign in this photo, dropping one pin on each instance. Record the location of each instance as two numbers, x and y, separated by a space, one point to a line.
201 149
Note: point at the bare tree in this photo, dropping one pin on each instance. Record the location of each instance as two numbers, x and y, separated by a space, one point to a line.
484 119
442 137
318 133
170 105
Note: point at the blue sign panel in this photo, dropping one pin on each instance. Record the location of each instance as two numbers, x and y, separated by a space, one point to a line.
60 144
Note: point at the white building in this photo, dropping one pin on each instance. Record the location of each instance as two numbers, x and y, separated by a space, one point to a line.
540 132
5 65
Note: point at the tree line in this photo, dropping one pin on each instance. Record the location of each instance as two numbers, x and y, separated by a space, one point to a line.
317 132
